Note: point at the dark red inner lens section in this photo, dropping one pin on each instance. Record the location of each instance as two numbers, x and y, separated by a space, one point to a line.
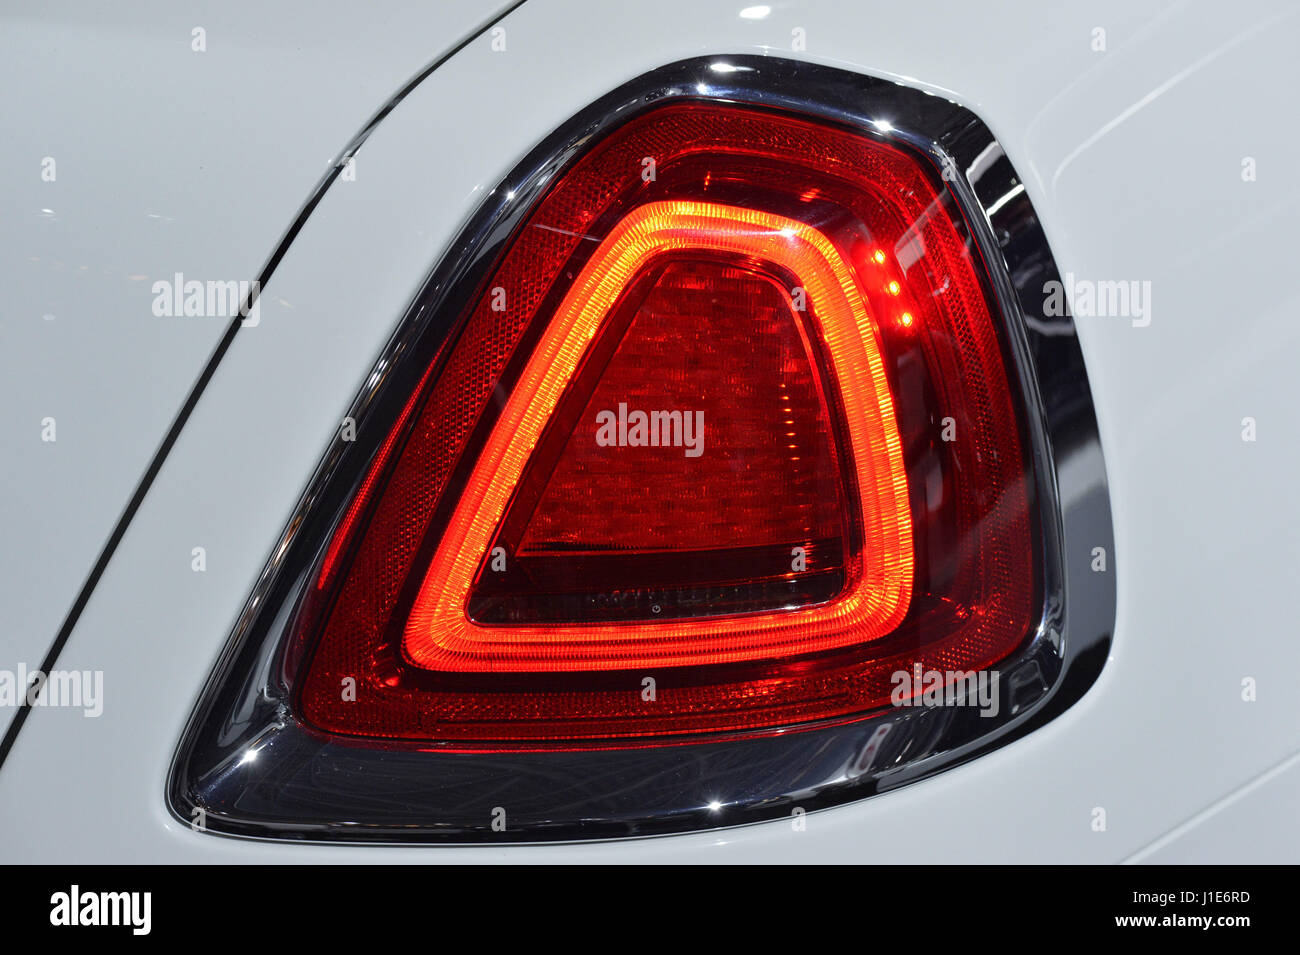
623 515
975 595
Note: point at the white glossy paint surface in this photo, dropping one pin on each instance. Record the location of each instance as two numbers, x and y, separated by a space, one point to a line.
165 160
1132 158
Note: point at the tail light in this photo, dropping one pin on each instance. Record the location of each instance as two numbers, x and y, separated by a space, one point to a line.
686 432
734 424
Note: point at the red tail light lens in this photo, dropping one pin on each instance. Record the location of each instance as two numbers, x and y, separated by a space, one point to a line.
730 413
693 507
440 635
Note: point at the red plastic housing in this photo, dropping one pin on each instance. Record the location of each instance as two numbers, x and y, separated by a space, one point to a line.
726 441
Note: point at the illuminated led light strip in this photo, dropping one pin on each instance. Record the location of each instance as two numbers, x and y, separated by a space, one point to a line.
439 635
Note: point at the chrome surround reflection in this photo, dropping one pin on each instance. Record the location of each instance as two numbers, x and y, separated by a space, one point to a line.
307 787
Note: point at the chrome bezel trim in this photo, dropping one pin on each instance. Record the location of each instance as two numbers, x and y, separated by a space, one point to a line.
307 787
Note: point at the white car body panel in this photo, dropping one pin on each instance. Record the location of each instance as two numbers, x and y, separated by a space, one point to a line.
1132 158
165 160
